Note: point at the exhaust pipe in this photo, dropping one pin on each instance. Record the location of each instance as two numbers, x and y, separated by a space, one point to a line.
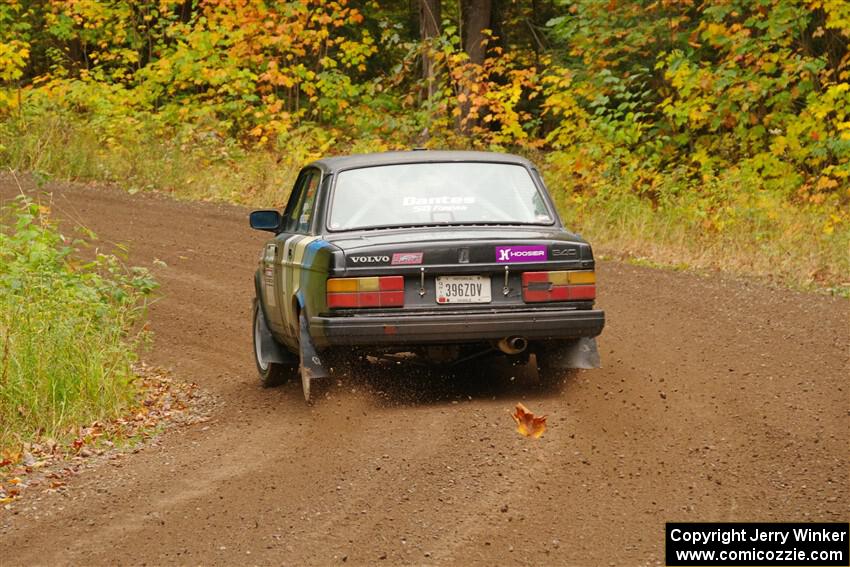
512 345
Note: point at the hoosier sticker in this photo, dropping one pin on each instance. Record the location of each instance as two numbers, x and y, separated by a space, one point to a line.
506 254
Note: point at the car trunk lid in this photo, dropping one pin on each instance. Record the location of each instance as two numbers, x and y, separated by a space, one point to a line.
464 268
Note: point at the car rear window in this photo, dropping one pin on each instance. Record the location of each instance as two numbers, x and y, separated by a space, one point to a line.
436 193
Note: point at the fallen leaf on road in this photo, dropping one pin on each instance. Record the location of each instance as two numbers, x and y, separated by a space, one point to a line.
9 457
527 424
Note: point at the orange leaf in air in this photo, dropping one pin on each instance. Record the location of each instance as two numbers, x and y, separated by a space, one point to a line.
527 424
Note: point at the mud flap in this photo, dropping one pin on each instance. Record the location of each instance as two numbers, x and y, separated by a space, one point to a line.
312 367
582 353
270 349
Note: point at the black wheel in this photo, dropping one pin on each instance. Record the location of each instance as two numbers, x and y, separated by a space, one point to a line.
271 373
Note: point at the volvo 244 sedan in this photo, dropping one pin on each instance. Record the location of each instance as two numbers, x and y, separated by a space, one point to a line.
433 255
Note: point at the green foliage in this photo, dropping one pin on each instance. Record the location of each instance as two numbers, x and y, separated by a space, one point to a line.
752 86
66 327
719 129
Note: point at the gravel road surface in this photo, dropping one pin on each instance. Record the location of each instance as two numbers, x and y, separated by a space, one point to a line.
719 400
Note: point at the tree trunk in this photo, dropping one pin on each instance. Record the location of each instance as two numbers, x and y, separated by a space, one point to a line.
476 16
476 19
429 28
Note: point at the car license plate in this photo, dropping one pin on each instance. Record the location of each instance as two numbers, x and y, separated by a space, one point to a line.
463 289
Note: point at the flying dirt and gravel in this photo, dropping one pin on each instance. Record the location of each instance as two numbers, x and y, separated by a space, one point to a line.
718 400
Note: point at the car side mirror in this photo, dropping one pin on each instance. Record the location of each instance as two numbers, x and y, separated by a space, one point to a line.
265 220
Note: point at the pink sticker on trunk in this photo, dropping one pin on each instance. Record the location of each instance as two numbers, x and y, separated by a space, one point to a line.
407 258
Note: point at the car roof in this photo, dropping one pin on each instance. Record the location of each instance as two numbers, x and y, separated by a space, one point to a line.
338 163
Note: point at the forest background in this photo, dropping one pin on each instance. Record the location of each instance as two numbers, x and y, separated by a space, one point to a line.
710 134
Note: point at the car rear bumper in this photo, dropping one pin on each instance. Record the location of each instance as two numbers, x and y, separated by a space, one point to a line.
398 329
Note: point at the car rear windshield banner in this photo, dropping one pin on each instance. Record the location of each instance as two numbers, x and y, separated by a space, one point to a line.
757 544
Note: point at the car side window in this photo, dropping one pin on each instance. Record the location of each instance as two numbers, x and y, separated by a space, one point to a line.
299 216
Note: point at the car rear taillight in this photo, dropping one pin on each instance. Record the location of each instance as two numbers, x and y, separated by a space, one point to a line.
353 293
558 286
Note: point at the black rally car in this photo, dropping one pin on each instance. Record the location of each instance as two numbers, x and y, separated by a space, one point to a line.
445 256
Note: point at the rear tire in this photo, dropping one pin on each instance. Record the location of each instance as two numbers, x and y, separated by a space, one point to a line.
271 373
549 371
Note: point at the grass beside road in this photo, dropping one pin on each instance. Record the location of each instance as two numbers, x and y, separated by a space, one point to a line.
67 338
791 249
190 165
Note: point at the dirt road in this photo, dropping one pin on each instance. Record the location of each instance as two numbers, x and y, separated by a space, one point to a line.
718 400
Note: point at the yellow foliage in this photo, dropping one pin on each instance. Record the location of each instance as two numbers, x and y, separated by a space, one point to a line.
13 59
